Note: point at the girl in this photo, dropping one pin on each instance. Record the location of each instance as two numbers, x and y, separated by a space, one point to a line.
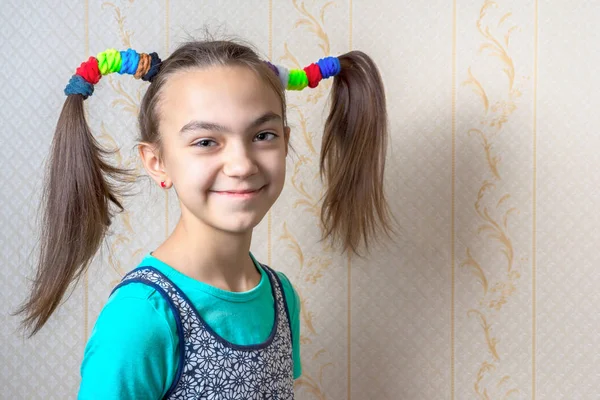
200 317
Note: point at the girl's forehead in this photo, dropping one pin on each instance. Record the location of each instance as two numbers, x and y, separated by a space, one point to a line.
223 94
216 83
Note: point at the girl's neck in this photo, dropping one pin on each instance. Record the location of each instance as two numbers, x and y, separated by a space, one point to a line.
214 257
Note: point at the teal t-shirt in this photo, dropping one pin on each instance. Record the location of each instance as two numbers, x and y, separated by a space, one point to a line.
132 351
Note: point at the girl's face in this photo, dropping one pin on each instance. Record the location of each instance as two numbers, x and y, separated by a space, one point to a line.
224 145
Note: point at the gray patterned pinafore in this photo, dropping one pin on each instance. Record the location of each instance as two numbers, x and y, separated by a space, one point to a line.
211 367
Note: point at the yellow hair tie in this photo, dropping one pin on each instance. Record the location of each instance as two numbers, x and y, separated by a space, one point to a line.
298 80
109 61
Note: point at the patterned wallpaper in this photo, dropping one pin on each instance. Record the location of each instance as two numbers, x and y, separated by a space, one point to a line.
492 173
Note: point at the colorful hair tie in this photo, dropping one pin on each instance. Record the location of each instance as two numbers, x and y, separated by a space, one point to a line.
284 75
313 73
273 68
298 79
154 67
89 71
109 61
144 66
329 66
129 62
78 85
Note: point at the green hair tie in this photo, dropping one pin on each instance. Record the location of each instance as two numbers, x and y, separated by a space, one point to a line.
109 61
298 80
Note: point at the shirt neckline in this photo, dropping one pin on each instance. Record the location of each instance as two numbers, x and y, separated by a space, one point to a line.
195 284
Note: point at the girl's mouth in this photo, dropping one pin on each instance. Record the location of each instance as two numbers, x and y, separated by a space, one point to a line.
241 194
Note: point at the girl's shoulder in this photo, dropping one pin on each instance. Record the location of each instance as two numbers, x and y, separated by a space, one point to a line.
141 290
288 288
142 296
134 292
138 302
285 281
290 293
131 341
282 277
135 303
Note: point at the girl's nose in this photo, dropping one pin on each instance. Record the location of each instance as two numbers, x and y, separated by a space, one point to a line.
239 163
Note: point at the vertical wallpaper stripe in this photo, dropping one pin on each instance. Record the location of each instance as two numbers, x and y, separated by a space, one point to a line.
534 200
167 27
452 219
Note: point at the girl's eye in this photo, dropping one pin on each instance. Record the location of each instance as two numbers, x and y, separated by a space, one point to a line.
262 136
204 143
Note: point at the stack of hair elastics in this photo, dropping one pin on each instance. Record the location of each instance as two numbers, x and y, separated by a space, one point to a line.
142 65
146 66
298 79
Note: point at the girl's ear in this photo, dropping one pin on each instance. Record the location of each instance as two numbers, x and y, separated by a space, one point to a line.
286 136
152 163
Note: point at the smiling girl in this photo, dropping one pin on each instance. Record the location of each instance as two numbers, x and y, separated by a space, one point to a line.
200 317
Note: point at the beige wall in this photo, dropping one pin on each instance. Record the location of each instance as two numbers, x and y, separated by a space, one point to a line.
490 293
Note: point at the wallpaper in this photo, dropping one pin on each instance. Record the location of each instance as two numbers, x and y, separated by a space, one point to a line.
489 289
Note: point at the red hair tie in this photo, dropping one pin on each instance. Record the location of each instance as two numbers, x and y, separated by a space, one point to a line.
89 71
313 73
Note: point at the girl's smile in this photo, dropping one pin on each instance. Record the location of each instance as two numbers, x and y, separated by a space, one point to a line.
244 194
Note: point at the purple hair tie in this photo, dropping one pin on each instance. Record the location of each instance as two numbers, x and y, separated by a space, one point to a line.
273 68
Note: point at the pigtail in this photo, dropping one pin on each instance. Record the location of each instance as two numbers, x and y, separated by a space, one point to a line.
79 187
76 212
353 151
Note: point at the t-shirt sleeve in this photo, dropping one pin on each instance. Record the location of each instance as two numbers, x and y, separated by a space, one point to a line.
130 353
294 305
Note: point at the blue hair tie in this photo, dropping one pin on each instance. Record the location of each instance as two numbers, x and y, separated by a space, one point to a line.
329 66
154 67
78 85
129 62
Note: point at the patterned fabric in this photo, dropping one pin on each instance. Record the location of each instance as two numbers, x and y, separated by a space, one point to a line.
211 367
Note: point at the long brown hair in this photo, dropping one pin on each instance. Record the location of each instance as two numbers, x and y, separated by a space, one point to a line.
83 191
353 151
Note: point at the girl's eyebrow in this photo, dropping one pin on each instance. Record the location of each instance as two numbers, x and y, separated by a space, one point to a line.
196 125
